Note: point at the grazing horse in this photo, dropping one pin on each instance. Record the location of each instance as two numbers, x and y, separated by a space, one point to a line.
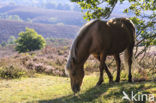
101 38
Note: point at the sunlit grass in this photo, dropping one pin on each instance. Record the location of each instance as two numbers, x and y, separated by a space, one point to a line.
51 89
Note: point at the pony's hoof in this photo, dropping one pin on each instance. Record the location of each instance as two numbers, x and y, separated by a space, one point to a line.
111 81
117 81
99 83
130 81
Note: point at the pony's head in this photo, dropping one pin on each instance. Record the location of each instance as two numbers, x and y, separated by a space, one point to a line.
76 73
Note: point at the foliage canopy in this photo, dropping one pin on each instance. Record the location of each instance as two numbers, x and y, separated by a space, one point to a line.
141 12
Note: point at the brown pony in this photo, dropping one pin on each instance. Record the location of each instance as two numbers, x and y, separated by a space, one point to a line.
101 38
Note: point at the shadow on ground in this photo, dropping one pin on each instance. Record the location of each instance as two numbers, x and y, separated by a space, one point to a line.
105 91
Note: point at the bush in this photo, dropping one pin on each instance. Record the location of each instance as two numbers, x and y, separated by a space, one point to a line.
3 44
11 72
29 40
11 40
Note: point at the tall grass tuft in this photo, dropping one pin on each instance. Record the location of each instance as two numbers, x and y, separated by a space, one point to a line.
12 72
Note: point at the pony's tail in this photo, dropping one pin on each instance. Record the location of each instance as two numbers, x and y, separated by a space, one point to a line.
126 58
128 53
135 66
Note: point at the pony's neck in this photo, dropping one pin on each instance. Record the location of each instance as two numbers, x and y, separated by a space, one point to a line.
83 59
83 51
82 44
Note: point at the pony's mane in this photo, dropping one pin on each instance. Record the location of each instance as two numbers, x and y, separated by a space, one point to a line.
79 36
73 48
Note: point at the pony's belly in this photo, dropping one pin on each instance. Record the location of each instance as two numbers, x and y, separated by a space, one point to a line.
110 50
116 49
115 52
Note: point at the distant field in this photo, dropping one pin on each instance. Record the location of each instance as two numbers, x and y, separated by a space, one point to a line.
12 28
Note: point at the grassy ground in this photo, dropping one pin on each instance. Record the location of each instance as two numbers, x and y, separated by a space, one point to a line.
51 89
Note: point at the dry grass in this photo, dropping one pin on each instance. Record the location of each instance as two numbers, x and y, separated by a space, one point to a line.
7 51
52 60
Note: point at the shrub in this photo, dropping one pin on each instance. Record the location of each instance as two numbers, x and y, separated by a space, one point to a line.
3 44
11 72
11 40
29 40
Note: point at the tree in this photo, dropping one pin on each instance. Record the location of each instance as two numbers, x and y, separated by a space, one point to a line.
14 17
63 7
11 40
76 8
142 13
60 6
29 40
66 7
3 44
50 6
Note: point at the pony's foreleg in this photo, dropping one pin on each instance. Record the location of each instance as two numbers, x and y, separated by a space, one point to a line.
103 59
130 56
118 63
101 74
108 73
102 67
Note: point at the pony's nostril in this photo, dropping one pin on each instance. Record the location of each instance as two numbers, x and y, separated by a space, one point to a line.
76 89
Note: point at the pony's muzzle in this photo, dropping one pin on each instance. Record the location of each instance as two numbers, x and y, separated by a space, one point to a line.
76 88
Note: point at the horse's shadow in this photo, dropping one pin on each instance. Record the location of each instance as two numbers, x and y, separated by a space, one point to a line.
92 94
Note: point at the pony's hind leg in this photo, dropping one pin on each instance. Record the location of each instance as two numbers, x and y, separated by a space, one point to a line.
130 56
101 75
118 63
101 67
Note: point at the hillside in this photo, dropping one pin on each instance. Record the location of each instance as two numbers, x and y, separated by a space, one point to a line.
12 28
40 15
50 16
29 2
